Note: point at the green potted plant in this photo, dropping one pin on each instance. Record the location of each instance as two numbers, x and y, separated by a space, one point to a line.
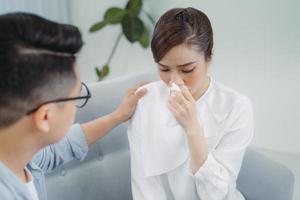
132 25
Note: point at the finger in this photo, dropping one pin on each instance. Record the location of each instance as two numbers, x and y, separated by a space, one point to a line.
136 88
139 86
180 99
186 93
173 110
178 96
175 105
131 91
139 94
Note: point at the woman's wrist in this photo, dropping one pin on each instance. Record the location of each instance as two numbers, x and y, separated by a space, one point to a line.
197 146
194 130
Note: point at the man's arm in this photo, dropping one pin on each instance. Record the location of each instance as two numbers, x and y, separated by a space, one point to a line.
75 144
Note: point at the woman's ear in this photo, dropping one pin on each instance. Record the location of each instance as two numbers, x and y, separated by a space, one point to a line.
42 118
209 58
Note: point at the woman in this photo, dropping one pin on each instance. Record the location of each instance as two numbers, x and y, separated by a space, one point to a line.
190 144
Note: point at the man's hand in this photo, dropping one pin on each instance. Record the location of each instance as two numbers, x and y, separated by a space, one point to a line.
127 107
98 128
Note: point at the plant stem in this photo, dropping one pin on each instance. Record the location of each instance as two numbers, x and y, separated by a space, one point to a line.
150 17
114 48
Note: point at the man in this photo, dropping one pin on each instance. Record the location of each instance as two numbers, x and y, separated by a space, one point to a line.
39 94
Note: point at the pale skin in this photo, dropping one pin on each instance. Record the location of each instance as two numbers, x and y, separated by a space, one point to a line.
188 68
20 141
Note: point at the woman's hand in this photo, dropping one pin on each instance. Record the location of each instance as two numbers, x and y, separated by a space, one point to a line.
183 106
184 109
127 107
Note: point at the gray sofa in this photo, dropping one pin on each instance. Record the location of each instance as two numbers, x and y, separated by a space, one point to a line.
105 173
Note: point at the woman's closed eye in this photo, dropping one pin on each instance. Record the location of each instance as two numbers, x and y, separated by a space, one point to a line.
164 69
188 70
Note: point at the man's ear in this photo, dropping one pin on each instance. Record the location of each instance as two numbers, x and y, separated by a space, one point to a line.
42 118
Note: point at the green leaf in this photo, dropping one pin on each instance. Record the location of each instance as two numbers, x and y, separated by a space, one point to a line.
101 74
104 71
144 40
114 15
134 7
98 72
97 26
133 28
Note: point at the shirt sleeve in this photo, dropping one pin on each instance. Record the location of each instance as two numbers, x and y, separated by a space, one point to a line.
72 146
216 179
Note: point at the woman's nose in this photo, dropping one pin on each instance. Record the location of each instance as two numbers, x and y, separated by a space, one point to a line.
176 78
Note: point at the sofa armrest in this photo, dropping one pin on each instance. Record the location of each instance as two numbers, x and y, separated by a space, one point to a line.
261 178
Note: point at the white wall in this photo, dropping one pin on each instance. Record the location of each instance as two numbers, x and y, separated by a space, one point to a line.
256 52
54 10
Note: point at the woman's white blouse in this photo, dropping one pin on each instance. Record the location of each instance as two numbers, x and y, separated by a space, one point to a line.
160 159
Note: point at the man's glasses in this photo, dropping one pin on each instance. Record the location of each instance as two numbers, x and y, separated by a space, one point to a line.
81 100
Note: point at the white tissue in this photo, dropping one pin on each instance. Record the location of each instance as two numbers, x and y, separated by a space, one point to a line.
174 87
171 121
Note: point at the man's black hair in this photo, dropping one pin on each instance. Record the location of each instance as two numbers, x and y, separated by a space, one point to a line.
37 59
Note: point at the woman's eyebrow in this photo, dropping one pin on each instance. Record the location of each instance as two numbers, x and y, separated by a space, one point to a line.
165 66
186 64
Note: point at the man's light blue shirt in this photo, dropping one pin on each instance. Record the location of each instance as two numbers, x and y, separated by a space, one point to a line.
72 146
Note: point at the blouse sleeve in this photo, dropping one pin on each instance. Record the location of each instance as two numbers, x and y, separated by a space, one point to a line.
216 179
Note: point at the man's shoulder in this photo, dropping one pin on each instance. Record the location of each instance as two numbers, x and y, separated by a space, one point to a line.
5 191
10 186
8 190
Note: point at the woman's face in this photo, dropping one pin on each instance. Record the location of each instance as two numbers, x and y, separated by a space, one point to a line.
182 64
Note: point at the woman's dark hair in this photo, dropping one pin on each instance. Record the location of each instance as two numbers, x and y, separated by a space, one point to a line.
182 25
36 63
